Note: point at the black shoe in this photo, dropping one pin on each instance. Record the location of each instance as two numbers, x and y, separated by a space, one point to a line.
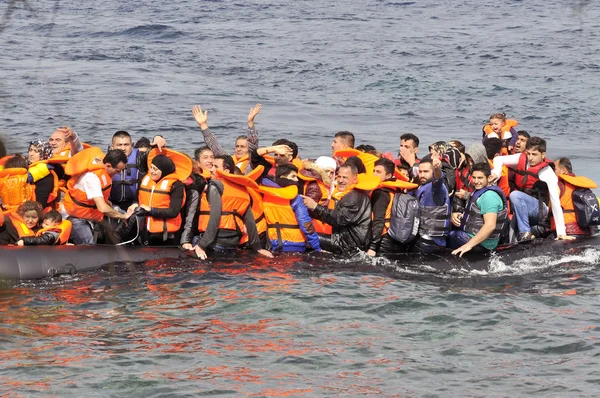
526 237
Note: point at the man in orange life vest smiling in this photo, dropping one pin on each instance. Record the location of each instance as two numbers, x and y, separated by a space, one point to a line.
532 166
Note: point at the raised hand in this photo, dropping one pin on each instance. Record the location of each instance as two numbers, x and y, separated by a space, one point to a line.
201 117
68 132
253 112
159 142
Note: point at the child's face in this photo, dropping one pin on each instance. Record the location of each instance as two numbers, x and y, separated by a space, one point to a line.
47 223
496 125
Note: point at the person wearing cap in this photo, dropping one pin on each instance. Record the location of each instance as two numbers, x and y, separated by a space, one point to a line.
350 219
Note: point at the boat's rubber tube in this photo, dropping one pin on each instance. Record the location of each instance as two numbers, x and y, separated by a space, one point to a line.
34 262
446 262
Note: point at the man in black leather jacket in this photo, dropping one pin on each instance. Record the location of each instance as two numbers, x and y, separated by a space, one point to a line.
351 217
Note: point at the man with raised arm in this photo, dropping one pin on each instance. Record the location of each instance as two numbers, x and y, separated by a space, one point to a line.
244 144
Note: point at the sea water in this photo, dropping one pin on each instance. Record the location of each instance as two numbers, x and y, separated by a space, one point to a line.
304 326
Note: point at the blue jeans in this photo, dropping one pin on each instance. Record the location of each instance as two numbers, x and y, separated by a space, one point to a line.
527 210
458 237
81 233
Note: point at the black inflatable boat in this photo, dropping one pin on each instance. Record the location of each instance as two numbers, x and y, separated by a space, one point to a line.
34 262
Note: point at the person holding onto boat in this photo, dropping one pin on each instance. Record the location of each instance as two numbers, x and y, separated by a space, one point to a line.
434 203
225 214
350 219
382 199
486 214
86 199
532 166
162 196
244 144
24 222
54 231
289 226
194 187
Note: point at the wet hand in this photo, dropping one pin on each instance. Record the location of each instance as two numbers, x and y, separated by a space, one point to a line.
461 250
565 237
266 253
371 253
200 253
20 243
187 246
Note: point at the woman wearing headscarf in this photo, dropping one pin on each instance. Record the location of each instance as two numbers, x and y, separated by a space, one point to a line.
162 195
46 185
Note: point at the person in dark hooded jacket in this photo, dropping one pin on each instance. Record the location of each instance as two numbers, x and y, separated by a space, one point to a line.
351 217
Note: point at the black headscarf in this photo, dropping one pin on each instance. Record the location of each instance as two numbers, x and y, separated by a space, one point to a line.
164 164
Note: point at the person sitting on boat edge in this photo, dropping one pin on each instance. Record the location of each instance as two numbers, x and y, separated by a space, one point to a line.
434 204
350 219
382 199
532 166
22 223
54 231
225 212
244 144
484 218
289 226
87 191
568 182
162 196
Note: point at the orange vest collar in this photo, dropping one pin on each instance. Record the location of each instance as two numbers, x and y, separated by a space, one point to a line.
236 179
183 164
90 159
578 181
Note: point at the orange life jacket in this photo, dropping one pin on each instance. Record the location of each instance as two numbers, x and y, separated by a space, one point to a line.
509 124
527 176
235 200
567 184
64 232
158 194
19 224
14 188
282 224
502 182
75 201
241 163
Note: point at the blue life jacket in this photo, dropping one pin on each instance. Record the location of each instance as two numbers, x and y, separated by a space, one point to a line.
125 184
472 220
434 219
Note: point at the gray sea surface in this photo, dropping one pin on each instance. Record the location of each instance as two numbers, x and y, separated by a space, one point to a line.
301 326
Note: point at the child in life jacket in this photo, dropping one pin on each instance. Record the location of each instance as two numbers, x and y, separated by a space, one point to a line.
501 127
54 231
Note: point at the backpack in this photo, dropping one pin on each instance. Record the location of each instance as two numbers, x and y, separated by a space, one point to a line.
404 221
587 209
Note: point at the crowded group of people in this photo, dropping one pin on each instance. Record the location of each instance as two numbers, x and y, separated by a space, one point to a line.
502 189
